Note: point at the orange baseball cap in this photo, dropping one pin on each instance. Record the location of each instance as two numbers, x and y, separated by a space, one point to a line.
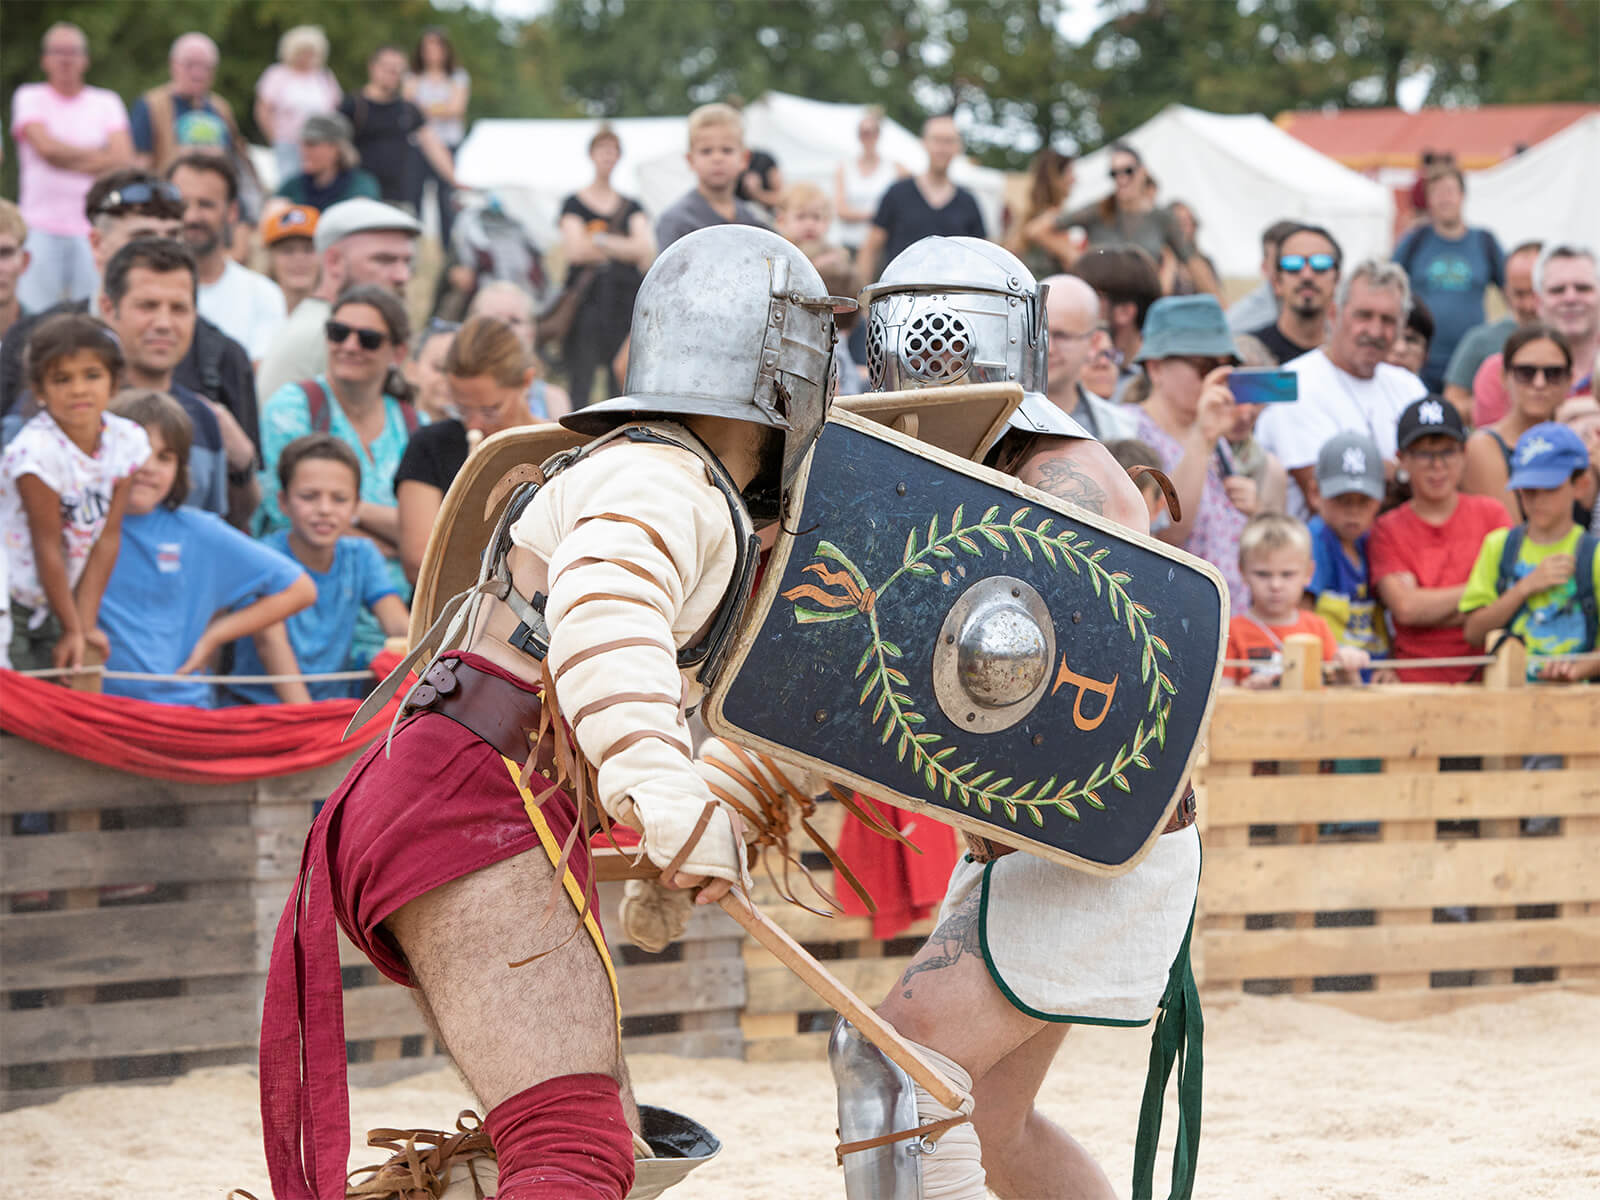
297 221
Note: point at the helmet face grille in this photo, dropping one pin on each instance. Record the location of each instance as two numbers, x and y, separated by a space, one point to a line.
937 347
876 337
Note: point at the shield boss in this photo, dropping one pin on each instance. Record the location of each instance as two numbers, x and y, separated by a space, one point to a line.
994 654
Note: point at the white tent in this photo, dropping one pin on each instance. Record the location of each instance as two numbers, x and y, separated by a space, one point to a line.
1550 192
534 165
1239 174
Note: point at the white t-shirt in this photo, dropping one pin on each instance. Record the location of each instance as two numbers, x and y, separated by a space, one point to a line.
83 483
246 306
1334 401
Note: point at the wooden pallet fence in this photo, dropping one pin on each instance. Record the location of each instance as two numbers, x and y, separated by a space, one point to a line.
1434 870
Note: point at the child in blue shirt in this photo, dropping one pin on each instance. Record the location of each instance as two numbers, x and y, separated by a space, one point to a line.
1350 475
186 583
321 488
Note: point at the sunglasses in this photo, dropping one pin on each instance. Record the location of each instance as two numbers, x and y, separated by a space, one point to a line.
135 195
1526 373
1293 264
1122 172
339 333
1201 364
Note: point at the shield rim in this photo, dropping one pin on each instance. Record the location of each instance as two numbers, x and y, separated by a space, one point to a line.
720 723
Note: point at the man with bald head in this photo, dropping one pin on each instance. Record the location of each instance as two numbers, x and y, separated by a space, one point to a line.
1072 312
923 205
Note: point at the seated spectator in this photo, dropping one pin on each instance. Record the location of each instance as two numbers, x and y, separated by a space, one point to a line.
508 303
424 370
321 478
186 584
1350 476
1410 349
1539 579
14 261
1422 552
487 369
1275 557
1538 369
1186 352
292 263
330 168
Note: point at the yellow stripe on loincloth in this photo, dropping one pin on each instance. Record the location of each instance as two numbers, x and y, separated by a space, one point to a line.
552 849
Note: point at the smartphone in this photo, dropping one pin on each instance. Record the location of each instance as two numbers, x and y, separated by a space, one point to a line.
1263 385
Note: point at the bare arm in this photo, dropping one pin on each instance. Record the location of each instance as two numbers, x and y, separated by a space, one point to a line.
1042 232
263 115
1082 472
1306 477
393 616
1199 443
102 558
416 509
1460 399
1411 604
1551 572
1275 487
556 401
871 251
1486 473
277 656
437 155
247 621
43 507
577 243
381 522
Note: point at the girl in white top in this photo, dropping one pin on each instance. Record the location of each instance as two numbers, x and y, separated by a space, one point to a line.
439 87
297 86
64 483
859 184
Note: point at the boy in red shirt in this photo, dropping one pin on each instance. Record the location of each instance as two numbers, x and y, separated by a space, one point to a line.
1421 553
1275 559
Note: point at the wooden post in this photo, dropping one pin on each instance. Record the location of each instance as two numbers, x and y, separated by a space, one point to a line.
87 680
1302 672
1508 671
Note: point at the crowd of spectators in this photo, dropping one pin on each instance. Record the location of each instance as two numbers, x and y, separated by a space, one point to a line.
226 438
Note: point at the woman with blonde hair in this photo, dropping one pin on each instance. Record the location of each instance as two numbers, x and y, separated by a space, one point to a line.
297 86
860 182
488 370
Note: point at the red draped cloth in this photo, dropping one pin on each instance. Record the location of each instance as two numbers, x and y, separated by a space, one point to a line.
905 885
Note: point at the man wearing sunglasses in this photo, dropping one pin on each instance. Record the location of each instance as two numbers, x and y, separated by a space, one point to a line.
1303 279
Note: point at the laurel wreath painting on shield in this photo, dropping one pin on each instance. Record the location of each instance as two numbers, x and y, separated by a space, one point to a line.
855 598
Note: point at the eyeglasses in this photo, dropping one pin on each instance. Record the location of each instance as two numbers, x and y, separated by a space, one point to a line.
1122 172
339 333
1434 458
135 195
1108 354
1526 373
1293 264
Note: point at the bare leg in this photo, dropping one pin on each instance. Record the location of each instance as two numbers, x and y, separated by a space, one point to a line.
510 1029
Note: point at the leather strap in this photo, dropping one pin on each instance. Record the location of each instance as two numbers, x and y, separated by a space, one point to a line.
689 843
605 702
588 652
983 850
931 1132
494 709
631 568
643 735
655 538
1165 484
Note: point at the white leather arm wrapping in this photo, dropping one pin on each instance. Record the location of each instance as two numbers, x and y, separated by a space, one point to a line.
638 545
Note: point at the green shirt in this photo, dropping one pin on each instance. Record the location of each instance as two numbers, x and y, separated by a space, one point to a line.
1550 622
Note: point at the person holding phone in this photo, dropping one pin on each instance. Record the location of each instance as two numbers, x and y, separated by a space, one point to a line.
1188 353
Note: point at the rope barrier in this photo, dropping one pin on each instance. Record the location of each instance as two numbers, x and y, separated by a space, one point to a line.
146 677
1412 664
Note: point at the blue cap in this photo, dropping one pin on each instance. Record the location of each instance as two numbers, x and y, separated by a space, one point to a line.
1182 325
1546 457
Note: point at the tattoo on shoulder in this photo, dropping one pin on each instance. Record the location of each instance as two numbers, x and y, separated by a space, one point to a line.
959 933
1063 478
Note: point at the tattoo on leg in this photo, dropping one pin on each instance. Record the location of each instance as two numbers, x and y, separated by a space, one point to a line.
1063 478
958 934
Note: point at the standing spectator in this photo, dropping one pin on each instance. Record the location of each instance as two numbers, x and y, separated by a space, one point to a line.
424 370
1569 301
1129 216
718 157
1259 306
608 245
440 87
1072 315
389 130
1450 267
359 241
64 483
297 86
1184 281
1044 249
286 235
1422 552
1345 384
1304 279
330 168
149 303
1538 370
185 583
859 183
1125 279
487 370
122 206
1350 479
507 302
13 262
1410 349
246 306
1480 342
1538 580
1187 351
66 134
185 113
925 205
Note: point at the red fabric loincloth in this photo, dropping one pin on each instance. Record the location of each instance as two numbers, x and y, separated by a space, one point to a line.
440 805
905 886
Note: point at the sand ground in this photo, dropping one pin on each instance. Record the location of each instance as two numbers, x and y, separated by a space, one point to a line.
1301 1101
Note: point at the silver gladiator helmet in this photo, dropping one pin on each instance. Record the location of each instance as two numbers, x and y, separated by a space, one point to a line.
731 321
951 310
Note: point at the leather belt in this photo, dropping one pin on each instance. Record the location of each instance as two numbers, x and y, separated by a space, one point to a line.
495 709
983 850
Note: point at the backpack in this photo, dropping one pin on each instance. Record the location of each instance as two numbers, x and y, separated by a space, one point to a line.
1406 253
322 419
1583 578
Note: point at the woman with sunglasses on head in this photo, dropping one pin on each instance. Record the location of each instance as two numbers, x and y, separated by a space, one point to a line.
1131 216
1537 372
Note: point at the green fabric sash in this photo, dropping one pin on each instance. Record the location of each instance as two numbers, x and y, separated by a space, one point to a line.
1177 1036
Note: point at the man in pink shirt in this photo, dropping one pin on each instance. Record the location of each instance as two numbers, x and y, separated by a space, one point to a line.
66 134
1567 284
